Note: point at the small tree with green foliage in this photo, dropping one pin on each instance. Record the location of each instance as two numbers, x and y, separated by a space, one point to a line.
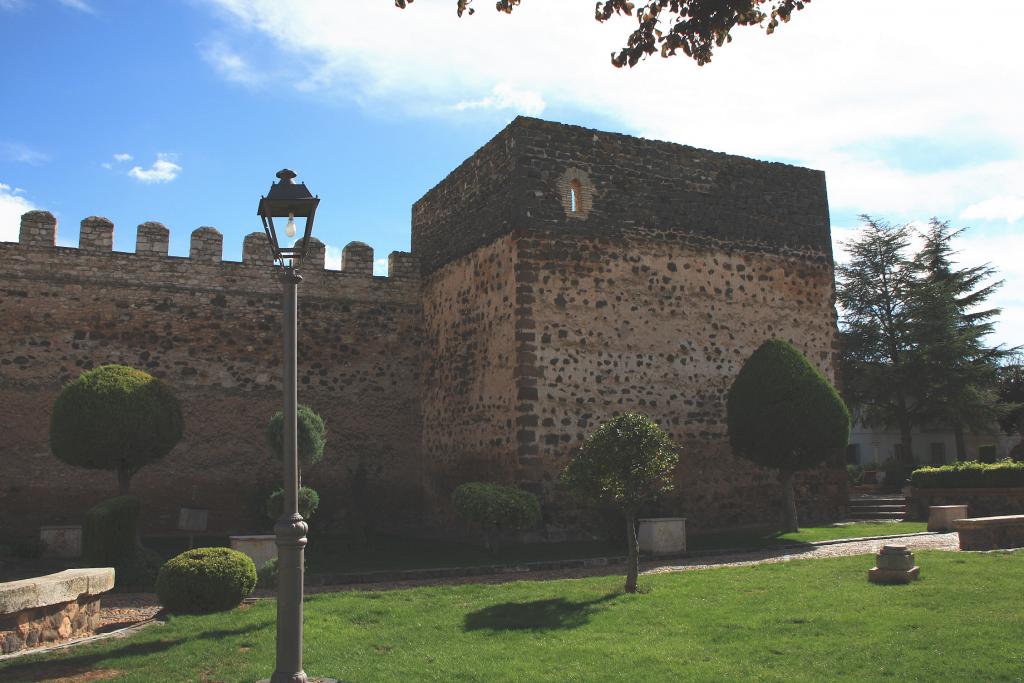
784 414
494 509
311 436
115 418
628 462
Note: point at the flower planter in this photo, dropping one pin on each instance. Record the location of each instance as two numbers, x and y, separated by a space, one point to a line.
260 549
662 535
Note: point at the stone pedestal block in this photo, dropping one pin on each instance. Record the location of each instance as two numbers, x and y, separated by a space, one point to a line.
61 541
894 564
260 549
662 535
941 517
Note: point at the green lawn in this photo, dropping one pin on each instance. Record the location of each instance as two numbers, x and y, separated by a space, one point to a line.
810 620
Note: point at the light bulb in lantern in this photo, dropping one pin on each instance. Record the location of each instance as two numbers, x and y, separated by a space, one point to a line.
289 229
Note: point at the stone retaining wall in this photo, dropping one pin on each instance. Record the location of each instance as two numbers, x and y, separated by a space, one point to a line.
51 608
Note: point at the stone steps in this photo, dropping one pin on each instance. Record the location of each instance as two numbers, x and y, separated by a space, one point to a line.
877 508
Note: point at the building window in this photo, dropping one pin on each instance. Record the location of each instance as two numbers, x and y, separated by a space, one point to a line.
987 453
853 454
575 199
937 449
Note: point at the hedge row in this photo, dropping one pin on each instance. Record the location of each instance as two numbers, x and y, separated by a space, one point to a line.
970 474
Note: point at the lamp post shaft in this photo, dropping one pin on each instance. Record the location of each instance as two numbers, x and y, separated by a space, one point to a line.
290 528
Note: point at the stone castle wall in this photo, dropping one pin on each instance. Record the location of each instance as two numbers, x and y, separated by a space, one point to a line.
212 330
558 276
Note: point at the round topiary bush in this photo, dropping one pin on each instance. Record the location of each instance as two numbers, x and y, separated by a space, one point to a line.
309 501
115 418
311 435
205 580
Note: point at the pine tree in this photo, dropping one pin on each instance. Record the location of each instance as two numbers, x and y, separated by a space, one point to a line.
958 370
875 291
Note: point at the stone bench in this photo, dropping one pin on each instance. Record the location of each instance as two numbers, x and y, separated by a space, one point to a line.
989 533
51 608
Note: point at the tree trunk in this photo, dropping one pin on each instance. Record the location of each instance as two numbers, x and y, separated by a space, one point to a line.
633 563
789 518
907 457
124 478
961 442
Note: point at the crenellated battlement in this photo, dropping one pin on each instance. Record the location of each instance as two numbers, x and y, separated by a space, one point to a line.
206 248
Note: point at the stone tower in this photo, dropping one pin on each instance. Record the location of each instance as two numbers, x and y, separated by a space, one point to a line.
572 274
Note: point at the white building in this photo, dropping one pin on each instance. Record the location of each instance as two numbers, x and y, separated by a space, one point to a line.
872 446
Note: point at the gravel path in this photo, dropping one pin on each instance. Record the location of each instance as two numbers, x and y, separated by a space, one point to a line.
930 542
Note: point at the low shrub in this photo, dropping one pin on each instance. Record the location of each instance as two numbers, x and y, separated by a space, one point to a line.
854 475
309 501
266 576
496 508
970 474
110 532
205 580
137 571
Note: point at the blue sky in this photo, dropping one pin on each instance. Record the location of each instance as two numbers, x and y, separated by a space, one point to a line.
182 111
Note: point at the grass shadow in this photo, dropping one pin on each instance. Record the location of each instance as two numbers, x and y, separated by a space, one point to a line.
539 615
75 666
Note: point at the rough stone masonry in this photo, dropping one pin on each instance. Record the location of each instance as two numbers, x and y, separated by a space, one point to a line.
558 276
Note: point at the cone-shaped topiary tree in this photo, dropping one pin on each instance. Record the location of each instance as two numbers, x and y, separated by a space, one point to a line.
115 418
627 462
784 414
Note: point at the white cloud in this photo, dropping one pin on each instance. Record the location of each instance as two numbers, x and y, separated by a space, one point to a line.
11 4
380 266
163 170
79 5
118 158
230 65
505 96
1002 208
22 154
12 205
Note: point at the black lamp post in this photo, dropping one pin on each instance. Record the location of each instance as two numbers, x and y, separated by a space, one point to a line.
291 200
